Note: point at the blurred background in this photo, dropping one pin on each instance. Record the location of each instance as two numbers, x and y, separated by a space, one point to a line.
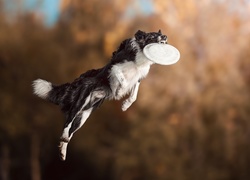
191 120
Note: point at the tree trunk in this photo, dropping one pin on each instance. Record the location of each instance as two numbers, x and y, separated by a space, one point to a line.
5 163
34 161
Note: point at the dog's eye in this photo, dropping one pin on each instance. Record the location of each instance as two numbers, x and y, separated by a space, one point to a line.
164 37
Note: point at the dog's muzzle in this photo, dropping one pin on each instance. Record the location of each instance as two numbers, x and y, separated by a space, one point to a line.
162 39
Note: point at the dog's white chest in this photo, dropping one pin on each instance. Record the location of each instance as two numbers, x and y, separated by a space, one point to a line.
125 75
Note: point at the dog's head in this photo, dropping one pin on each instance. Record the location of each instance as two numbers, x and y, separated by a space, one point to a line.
143 38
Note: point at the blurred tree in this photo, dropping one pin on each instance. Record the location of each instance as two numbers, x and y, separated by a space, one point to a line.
91 20
190 121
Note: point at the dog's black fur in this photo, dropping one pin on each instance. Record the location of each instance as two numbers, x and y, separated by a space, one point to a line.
79 98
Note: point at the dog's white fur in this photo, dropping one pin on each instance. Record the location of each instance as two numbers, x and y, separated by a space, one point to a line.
42 88
124 79
127 75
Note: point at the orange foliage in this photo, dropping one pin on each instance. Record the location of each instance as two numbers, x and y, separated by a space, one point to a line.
191 119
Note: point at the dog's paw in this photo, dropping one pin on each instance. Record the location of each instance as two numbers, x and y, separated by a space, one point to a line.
119 92
125 105
63 150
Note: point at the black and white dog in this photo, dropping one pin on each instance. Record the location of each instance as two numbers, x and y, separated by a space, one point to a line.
121 76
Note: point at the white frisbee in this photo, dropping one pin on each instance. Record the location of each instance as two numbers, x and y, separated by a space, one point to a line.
163 54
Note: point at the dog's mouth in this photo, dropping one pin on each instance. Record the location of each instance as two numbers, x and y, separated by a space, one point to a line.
162 42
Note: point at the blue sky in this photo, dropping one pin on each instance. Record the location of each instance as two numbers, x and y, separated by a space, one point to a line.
50 9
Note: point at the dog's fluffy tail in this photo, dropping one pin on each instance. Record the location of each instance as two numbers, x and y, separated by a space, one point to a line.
48 91
42 88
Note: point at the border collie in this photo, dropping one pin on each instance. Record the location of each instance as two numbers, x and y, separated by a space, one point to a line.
121 76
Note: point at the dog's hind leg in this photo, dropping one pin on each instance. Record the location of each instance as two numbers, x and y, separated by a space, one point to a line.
79 119
68 131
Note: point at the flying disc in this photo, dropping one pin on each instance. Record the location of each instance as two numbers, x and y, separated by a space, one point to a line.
163 54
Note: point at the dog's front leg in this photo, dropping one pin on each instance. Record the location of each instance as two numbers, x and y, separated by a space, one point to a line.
132 98
123 83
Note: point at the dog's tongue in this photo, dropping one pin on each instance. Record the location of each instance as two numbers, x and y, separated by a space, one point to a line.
163 54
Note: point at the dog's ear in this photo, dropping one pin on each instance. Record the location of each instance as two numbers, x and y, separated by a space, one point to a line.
159 31
140 35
